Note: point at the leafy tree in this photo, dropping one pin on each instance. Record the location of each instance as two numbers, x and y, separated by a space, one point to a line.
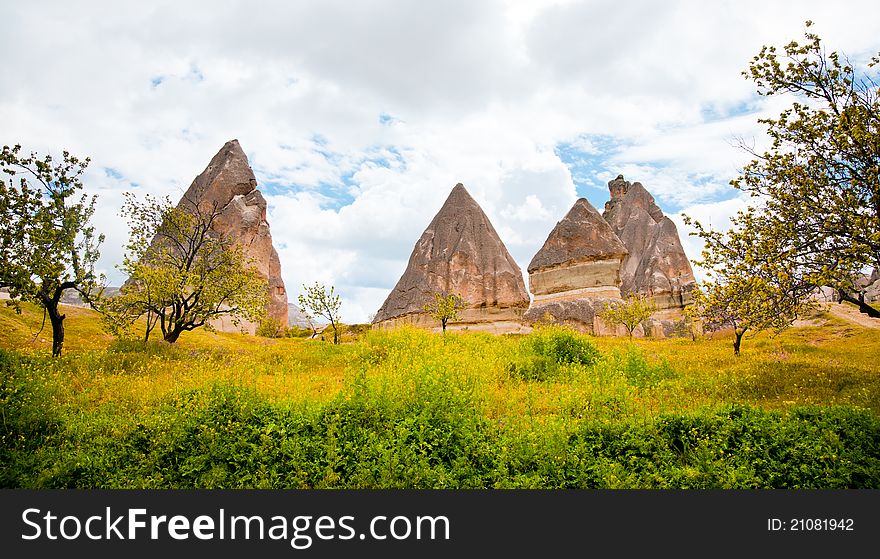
629 313
744 304
445 307
689 324
182 273
754 287
46 243
317 301
817 187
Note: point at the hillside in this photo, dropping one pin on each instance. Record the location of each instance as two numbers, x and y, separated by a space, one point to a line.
409 408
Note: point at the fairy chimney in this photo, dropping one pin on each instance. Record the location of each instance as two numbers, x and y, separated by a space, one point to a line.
459 252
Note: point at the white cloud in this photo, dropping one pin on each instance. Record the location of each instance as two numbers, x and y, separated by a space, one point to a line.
474 92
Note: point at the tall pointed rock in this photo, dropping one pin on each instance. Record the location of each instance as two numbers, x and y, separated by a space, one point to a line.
460 252
577 270
656 264
228 182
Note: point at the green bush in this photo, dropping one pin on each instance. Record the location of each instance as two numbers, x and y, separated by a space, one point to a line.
809 447
547 349
270 328
433 438
27 422
563 345
297 332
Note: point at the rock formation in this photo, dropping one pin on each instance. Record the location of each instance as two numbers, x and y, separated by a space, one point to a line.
872 291
868 286
577 270
459 252
228 183
590 259
296 317
655 265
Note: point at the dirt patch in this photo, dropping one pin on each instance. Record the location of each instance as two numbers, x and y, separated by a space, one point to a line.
852 314
812 321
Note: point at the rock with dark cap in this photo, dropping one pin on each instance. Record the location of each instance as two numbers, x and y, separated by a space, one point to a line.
581 253
460 252
576 271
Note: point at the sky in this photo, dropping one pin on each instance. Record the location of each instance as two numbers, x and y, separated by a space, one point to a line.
358 117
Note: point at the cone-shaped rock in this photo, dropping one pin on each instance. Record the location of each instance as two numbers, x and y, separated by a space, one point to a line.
581 253
459 252
656 264
228 182
297 318
577 270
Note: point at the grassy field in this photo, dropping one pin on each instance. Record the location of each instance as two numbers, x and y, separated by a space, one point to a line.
410 408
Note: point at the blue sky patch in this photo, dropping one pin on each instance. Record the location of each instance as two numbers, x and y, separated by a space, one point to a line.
587 157
112 173
342 192
386 119
714 113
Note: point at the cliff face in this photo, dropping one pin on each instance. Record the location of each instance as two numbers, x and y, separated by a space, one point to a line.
228 182
655 264
459 252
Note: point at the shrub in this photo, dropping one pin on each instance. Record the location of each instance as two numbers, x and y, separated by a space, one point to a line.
271 328
28 423
563 345
298 332
807 447
547 349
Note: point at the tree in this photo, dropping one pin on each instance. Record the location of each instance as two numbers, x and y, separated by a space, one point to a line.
317 301
182 273
46 243
817 188
744 304
629 313
754 287
445 307
689 324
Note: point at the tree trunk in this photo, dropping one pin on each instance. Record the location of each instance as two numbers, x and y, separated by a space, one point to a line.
151 322
443 324
173 334
860 302
737 340
57 320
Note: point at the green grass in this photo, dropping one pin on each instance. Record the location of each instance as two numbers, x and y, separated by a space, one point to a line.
409 408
